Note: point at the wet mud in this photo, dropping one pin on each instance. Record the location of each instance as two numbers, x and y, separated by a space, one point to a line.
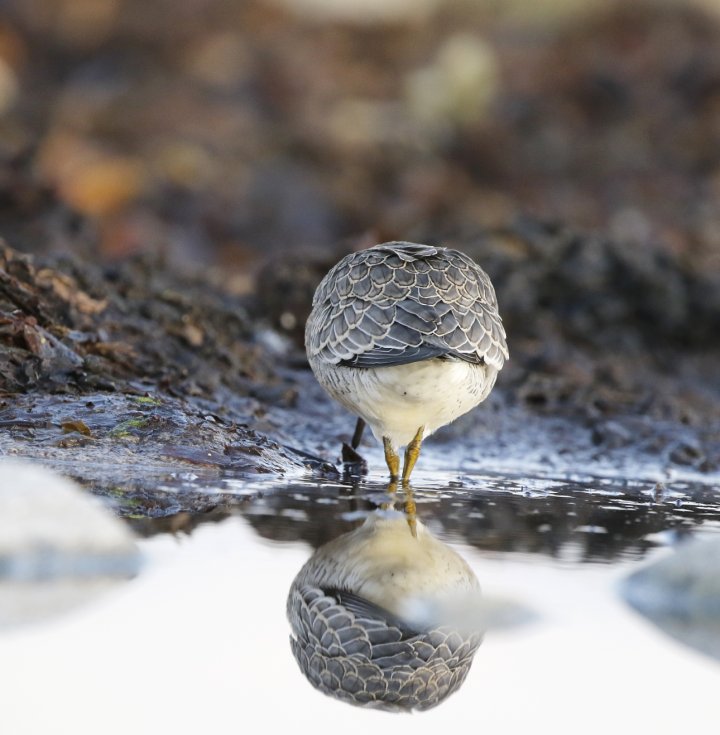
105 371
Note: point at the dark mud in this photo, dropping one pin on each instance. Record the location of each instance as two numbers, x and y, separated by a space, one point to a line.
140 364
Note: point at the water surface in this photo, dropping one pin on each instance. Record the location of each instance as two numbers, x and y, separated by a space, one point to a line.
200 640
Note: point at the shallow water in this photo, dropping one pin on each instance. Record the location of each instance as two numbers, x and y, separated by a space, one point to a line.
200 640
570 519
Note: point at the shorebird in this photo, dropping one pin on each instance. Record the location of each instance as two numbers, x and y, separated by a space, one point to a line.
407 337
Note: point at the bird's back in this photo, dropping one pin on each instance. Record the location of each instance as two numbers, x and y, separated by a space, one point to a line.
399 303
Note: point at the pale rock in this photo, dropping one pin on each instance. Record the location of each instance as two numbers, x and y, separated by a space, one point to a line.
58 545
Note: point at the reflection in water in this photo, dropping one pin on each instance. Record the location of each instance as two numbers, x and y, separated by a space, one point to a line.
589 520
385 619
596 521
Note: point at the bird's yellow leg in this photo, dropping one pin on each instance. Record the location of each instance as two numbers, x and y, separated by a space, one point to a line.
412 452
410 510
392 459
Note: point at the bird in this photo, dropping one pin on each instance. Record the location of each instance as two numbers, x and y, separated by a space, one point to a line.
379 620
407 337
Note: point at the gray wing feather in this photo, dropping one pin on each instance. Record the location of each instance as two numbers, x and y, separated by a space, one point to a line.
364 609
384 356
401 302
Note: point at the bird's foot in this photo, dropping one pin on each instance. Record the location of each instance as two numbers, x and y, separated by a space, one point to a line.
354 464
409 506
391 459
412 452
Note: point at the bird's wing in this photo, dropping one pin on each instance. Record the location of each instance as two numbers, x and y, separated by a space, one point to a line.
400 303
366 660
363 609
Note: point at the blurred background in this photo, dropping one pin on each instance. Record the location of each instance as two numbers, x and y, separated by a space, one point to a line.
216 130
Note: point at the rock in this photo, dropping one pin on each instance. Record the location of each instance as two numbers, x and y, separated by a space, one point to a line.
681 595
58 545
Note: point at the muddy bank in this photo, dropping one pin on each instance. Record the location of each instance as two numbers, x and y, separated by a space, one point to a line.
143 372
131 375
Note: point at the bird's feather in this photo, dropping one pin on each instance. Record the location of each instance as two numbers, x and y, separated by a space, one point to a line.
399 303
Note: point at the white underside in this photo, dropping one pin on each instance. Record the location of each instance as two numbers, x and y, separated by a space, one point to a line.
396 401
412 577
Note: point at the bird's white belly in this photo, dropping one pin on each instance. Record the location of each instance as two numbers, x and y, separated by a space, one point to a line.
396 401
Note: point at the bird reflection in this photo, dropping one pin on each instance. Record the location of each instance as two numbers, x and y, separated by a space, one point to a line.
386 616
